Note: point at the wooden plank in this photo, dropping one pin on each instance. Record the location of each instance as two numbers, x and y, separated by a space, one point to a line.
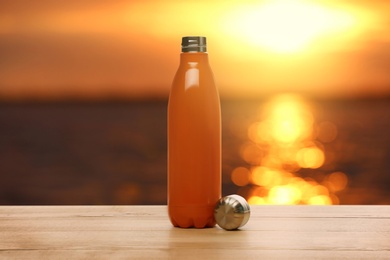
293 232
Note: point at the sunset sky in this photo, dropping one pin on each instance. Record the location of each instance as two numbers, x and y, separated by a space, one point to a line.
99 49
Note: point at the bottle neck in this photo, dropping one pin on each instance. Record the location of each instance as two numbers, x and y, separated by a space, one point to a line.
199 57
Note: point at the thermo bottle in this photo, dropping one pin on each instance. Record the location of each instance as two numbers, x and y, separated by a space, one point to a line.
194 139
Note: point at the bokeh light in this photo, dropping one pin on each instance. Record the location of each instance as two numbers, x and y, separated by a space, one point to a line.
285 141
327 132
240 176
310 157
337 181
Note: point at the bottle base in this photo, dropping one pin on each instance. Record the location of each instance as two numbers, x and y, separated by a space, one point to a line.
192 216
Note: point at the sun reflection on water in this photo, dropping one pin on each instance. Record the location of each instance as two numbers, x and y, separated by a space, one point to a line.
284 141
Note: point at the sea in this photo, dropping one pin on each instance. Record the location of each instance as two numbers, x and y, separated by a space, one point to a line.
115 152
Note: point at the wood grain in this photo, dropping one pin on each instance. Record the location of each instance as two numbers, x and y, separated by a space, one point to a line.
144 232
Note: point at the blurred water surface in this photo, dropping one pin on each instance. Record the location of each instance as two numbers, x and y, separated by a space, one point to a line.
115 153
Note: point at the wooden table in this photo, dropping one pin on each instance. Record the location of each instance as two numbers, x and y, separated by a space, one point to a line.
273 232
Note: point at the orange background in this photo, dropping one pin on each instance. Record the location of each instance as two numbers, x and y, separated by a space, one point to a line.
130 49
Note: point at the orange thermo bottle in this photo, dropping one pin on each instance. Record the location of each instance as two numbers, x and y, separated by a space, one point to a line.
194 139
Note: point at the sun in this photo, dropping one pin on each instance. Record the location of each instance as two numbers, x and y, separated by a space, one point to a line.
286 25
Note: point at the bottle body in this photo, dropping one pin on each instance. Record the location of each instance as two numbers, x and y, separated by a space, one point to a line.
194 144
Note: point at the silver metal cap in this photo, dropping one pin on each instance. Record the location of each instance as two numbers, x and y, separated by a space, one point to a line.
232 212
193 44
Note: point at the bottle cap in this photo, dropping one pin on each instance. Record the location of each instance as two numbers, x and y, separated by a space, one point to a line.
232 212
193 44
